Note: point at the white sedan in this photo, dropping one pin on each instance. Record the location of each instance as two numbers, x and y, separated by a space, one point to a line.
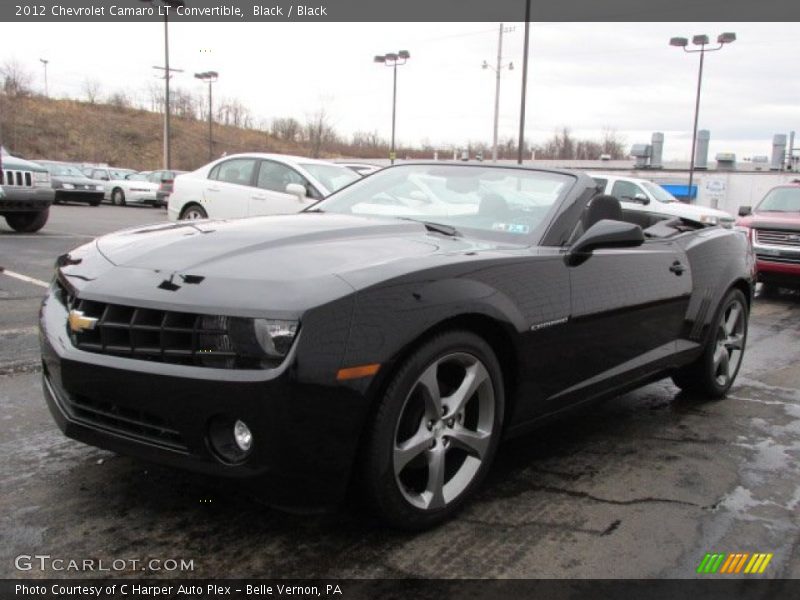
243 185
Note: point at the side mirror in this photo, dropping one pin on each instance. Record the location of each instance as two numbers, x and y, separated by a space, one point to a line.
104 178
639 198
745 210
295 189
605 234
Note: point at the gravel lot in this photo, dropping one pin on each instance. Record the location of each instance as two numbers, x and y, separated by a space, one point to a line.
640 486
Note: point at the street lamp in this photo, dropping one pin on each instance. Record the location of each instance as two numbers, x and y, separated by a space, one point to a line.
393 60
209 77
167 74
702 41
497 70
44 62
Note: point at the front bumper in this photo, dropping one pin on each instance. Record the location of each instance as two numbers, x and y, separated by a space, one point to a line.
305 435
778 264
22 199
78 196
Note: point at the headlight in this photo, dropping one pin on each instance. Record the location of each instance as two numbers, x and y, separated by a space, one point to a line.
42 177
230 342
262 338
67 186
709 219
99 188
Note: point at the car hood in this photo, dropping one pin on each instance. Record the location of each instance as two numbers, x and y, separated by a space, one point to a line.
776 220
696 211
74 180
286 262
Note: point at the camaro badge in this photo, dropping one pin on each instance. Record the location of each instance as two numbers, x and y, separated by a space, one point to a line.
79 323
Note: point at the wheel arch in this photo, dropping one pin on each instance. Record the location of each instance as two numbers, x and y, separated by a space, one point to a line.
187 205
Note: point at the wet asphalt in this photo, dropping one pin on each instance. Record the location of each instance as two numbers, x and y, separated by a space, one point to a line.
641 486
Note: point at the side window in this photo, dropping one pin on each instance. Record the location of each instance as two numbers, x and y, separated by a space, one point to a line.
626 191
99 174
237 170
154 177
276 176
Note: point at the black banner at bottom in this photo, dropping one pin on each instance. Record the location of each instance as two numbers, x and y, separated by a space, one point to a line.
397 589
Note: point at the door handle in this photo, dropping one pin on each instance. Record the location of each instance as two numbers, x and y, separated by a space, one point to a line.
677 268
258 197
213 189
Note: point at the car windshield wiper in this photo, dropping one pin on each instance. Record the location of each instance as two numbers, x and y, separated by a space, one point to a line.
437 227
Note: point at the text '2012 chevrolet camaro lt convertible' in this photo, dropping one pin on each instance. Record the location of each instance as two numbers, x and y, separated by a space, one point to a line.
387 339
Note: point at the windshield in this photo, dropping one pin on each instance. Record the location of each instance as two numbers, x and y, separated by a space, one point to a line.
658 192
506 203
781 199
119 174
333 177
64 170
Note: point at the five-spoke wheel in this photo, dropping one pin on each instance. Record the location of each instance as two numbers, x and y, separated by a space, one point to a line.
435 432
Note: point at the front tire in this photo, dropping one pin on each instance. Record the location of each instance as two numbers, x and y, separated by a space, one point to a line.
192 212
435 432
118 197
714 372
28 222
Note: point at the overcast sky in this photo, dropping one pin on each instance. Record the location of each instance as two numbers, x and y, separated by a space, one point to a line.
587 76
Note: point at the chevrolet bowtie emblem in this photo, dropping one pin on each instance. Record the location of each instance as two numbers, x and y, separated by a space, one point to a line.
79 323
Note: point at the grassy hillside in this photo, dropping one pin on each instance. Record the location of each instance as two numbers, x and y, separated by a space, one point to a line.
36 127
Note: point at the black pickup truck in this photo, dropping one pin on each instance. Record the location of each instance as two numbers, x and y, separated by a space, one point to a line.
25 194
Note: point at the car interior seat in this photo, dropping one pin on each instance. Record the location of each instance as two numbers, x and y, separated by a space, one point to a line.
602 207
493 206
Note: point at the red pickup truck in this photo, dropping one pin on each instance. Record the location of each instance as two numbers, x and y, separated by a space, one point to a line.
773 227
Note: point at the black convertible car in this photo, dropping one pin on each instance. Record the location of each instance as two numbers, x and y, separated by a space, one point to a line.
387 339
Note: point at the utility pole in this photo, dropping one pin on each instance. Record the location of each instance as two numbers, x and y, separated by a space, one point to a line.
521 141
209 77
44 62
497 70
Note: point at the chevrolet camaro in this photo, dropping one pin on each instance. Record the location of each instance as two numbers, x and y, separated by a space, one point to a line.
384 341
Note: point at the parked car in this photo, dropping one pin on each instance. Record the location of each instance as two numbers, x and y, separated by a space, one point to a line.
164 179
362 169
312 352
649 201
27 195
773 227
243 185
71 185
111 178
135 188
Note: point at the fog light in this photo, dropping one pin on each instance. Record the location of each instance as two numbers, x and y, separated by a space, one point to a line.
242 435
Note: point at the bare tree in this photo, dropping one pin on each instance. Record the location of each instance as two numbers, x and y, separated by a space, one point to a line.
286 129
318 132
16 79
91 89
613 144
120 99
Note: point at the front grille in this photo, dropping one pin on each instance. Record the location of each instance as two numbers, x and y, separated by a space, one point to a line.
789 260
109 416
776 237
156 335
13 177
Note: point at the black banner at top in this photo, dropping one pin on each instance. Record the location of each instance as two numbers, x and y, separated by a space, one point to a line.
398 10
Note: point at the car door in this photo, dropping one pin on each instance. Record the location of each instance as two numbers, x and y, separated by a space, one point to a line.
269 196
227 190
628 307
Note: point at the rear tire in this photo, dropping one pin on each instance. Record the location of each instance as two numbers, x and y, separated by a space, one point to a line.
435 432
28 222
714 371
191 212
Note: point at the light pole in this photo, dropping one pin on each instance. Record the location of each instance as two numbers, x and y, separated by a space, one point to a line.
497 70
209 77
702 41
524 91
167 74
393 60
44 63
